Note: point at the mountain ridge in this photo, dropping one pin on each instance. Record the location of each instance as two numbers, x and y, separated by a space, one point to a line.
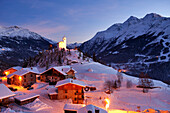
18 44
143 41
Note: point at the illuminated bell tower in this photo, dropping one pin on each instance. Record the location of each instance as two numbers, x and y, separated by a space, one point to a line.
64 40
62 44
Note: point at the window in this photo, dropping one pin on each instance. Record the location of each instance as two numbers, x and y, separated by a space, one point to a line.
77 91
66 96
89 111
31 75
96 111
75 99
65 91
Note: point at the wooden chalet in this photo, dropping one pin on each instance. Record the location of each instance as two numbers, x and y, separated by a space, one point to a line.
56 74
6 95
12 70
70 88
24 77
25 99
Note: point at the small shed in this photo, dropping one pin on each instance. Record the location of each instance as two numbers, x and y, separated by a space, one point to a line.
53 93
25 99
91 109
5 95
90 70
72 108
81 108
90 87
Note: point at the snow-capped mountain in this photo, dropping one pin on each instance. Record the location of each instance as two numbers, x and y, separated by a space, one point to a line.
137 45
73 45
17 44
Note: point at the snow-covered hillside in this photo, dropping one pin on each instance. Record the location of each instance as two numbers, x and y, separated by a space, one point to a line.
17 44
136 45
92 73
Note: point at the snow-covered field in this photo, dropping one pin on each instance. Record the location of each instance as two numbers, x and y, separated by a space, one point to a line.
126 99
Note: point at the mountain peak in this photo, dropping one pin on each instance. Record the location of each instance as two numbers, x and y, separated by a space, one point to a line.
152 15
132 18
14 27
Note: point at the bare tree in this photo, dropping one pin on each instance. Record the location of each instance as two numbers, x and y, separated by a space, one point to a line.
108 86
128 84
145 82
120 78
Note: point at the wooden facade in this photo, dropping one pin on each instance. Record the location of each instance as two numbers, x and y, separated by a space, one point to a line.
71 74
73 91
52 75
69 111
6 101
53 96
24 80
19 102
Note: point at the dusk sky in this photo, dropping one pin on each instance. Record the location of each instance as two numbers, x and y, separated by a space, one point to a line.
78 20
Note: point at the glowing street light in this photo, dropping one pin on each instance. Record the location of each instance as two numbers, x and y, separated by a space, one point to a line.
107 103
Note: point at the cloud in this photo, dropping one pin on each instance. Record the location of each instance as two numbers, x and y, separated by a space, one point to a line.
47 29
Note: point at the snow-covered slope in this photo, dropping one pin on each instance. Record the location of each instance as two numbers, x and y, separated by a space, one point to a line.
135 45
17 44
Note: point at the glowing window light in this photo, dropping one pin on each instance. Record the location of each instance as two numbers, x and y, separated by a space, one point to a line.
6 73
20 78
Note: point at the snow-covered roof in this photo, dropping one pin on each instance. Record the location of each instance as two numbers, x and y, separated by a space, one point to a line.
15 67
5 92
32 69
92 108
26 97
73 107
69 80
24 71
62 69
66 69
52 91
